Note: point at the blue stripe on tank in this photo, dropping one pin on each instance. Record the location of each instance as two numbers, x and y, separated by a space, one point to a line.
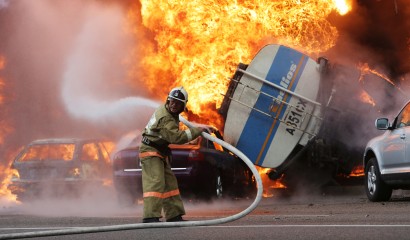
260 129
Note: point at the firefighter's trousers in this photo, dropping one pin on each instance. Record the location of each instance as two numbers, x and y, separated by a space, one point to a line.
160 188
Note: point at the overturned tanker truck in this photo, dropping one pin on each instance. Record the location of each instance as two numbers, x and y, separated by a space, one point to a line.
285 110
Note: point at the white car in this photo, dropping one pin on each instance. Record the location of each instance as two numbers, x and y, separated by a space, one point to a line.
387 157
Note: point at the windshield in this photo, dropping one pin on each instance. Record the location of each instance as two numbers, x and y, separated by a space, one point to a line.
48 152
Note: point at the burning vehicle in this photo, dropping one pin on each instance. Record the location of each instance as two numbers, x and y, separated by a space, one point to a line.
286 111
60 168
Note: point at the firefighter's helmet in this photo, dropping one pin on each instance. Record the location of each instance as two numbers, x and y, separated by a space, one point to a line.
180 94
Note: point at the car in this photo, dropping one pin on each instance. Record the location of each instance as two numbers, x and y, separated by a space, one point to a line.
386 157
204 170
60 167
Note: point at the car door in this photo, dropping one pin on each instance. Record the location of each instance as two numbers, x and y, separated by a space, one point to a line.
406 137
394 151
89 158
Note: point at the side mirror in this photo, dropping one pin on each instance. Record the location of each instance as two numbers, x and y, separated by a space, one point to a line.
382 123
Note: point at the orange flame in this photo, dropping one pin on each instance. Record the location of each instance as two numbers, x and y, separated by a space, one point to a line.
6 197
342 6
357 171
366 98
268 184
2 62
198 44
50 152
365 69
5 130
5 127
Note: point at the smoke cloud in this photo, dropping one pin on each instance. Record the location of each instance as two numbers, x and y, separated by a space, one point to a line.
66 75
4 3
93 66
66 72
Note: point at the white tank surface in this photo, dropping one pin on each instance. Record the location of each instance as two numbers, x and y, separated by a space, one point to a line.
274 109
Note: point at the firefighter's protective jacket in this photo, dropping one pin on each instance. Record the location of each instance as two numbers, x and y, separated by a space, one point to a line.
163 129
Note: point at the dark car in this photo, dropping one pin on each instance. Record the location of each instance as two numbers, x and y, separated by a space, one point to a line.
204 169
60 167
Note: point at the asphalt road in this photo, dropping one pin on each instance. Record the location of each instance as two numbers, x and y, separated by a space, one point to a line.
335 213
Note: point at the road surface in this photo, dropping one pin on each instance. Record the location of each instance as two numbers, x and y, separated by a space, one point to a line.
335 213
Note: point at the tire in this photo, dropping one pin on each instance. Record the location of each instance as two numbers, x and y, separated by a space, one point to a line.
219 193
210 187
376 189
215 186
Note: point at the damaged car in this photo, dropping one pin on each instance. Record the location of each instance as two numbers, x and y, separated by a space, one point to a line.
60 167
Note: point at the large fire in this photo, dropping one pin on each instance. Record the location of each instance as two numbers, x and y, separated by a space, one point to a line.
5 127
5 130
198 44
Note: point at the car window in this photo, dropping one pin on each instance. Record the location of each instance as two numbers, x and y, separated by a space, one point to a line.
105 152
403 119
48 152
89 152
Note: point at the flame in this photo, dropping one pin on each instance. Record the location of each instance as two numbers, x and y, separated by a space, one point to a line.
2 62
268 184
357 171
365 69
198 44
342 6
49 152
5 129
109 147
7 173
2 84
75 172
366 98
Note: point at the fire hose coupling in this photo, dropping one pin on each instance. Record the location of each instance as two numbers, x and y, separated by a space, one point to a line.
84 230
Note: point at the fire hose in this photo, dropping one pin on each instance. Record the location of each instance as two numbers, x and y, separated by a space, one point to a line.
84 230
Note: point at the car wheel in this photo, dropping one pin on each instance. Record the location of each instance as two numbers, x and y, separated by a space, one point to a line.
218 185
376 189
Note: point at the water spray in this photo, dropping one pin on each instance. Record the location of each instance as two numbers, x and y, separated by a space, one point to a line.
83 230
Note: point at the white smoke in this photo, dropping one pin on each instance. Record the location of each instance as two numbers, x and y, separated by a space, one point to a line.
94 66
4 3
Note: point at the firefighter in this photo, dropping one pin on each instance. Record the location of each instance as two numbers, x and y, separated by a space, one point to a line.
159 184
